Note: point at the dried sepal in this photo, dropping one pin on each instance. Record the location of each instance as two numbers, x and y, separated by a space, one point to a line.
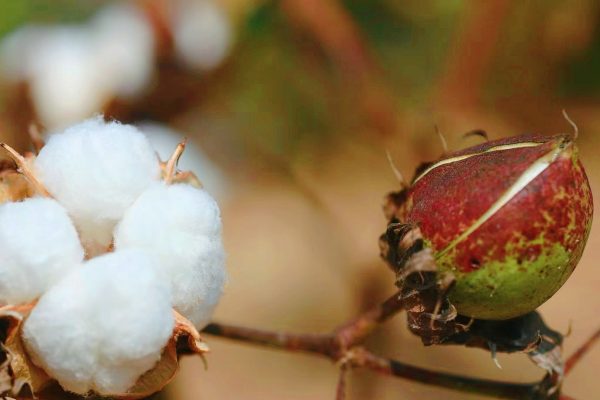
170 174
185 340
18 371
25 167
14 186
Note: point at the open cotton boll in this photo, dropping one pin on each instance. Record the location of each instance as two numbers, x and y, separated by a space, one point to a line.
182 226
124 48
104 325
38 246
202 33
97 169
164 140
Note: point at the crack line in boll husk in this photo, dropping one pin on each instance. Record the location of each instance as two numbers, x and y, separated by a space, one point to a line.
532 172
465 156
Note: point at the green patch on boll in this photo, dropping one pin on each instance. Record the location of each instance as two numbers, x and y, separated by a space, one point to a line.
511 287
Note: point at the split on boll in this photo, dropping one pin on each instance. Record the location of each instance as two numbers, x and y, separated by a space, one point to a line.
508 219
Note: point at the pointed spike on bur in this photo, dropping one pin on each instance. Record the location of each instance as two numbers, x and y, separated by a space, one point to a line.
570 121
396 171
23 168
442 139
171 165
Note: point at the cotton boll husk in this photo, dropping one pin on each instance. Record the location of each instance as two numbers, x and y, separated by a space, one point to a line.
38 246
104 325
182 226
164 140
202 33
97 169
124 48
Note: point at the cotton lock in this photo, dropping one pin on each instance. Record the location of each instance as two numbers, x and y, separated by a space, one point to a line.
181 225
104 325
97 169
38 246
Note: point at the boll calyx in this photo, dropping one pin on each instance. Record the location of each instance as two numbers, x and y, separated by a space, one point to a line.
508 218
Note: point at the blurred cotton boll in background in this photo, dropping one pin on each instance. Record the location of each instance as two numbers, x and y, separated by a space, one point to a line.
164 140
202 33
124 48
73 71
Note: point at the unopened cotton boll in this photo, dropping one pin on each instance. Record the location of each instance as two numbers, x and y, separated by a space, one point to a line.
182 226
104 325
202 33
38 246
97 169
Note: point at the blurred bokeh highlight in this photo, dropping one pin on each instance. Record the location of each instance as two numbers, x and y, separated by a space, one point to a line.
290 107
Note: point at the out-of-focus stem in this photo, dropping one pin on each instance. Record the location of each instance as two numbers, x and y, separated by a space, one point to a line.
581 351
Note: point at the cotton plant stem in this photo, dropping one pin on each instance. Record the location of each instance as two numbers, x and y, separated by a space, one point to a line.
581 351
357 357
343 347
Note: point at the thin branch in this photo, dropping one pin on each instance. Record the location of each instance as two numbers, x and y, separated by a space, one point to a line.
340 393
311 343
358 329
581 351
398 369
325 345
343 346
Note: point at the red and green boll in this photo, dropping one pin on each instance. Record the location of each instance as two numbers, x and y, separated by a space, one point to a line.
508 218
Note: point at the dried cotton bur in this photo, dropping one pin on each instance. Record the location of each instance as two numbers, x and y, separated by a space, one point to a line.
110 324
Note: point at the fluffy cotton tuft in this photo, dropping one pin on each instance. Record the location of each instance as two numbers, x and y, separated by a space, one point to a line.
38 246
97 169
104 325
182 226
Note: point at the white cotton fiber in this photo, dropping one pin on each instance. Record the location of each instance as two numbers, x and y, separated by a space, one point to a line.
97 169
103 326
182 226
38 246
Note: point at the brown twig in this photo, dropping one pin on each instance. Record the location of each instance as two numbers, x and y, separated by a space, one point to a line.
340 393
343 346
581 351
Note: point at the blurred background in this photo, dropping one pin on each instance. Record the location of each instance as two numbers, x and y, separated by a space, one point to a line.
290 107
